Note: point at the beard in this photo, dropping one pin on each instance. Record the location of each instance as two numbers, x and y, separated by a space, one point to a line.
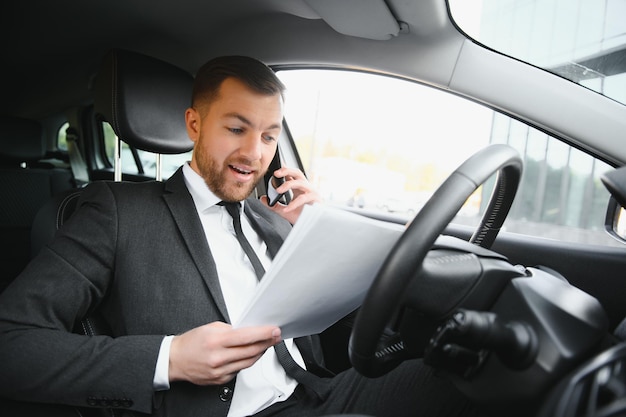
216 177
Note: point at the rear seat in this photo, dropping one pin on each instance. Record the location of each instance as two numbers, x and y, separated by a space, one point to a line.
25 185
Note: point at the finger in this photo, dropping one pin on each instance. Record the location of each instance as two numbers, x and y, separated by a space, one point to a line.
232 360
231 369
297 187
222 359
290 184
248 354
244 336
287 172
300 201
226 371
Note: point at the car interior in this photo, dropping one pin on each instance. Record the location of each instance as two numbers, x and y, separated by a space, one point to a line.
524 324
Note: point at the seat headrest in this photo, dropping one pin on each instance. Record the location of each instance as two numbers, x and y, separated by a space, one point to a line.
21 140
144 100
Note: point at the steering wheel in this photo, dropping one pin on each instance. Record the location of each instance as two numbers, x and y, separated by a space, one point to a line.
374 352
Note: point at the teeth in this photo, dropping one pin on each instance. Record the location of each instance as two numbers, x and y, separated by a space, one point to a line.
240 170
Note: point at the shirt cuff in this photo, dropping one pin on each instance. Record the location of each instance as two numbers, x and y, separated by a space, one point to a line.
161 381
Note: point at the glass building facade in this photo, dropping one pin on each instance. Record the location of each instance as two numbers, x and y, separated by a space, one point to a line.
585 42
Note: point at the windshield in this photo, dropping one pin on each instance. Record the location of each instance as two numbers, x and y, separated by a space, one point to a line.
583 41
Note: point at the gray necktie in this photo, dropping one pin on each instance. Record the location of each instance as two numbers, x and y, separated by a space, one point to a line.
234 209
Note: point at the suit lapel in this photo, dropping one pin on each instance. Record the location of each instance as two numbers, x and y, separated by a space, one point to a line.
183 211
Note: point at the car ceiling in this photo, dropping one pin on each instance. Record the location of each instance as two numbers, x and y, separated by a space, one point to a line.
62 43
52 51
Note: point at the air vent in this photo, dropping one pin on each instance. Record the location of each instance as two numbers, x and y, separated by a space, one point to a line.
596 389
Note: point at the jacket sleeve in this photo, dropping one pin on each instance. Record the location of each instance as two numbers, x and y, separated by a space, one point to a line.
41 360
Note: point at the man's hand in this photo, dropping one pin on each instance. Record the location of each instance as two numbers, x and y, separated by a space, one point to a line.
213 354
303 193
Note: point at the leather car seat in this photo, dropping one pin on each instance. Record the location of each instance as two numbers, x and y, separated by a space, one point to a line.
144 100
26 185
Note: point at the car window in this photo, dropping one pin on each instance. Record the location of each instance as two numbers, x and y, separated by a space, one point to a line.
580 40
146 164
385 144
62 137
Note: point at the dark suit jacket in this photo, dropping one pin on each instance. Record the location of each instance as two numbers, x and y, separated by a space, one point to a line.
137 253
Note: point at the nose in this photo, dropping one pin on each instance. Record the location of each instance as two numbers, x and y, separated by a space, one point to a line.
251 146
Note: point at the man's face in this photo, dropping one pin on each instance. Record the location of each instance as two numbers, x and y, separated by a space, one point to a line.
236 140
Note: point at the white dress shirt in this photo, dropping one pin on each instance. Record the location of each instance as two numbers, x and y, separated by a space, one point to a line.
265 382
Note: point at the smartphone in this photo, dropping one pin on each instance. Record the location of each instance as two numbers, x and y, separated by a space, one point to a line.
275 182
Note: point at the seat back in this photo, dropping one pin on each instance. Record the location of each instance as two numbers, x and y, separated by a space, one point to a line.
144 100
26 184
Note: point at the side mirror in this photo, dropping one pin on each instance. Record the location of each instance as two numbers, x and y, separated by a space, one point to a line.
615 221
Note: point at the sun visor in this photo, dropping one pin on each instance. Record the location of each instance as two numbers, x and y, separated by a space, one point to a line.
370 19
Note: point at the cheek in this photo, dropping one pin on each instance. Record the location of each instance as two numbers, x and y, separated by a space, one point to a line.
211 145
268 155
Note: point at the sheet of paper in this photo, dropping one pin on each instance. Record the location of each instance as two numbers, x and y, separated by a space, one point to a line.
322 272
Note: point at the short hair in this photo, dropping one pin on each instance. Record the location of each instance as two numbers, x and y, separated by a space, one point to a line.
252 72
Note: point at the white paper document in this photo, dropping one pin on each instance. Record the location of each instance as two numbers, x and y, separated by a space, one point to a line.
322 271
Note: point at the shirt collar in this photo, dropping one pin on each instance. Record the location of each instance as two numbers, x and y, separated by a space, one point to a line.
202 195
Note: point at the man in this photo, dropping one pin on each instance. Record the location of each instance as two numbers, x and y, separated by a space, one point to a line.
160 262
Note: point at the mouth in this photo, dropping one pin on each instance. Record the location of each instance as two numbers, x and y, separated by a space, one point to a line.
241 173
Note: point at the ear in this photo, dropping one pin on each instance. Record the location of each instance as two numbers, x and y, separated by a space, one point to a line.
193 123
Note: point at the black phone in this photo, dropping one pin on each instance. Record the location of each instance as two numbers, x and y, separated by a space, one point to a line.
284 198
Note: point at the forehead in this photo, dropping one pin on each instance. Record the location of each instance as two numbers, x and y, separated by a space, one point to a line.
234 96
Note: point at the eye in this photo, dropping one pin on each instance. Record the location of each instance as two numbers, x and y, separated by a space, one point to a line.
269 138
235 130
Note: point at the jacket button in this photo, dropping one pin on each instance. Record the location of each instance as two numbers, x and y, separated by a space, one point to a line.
226 393
126 403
